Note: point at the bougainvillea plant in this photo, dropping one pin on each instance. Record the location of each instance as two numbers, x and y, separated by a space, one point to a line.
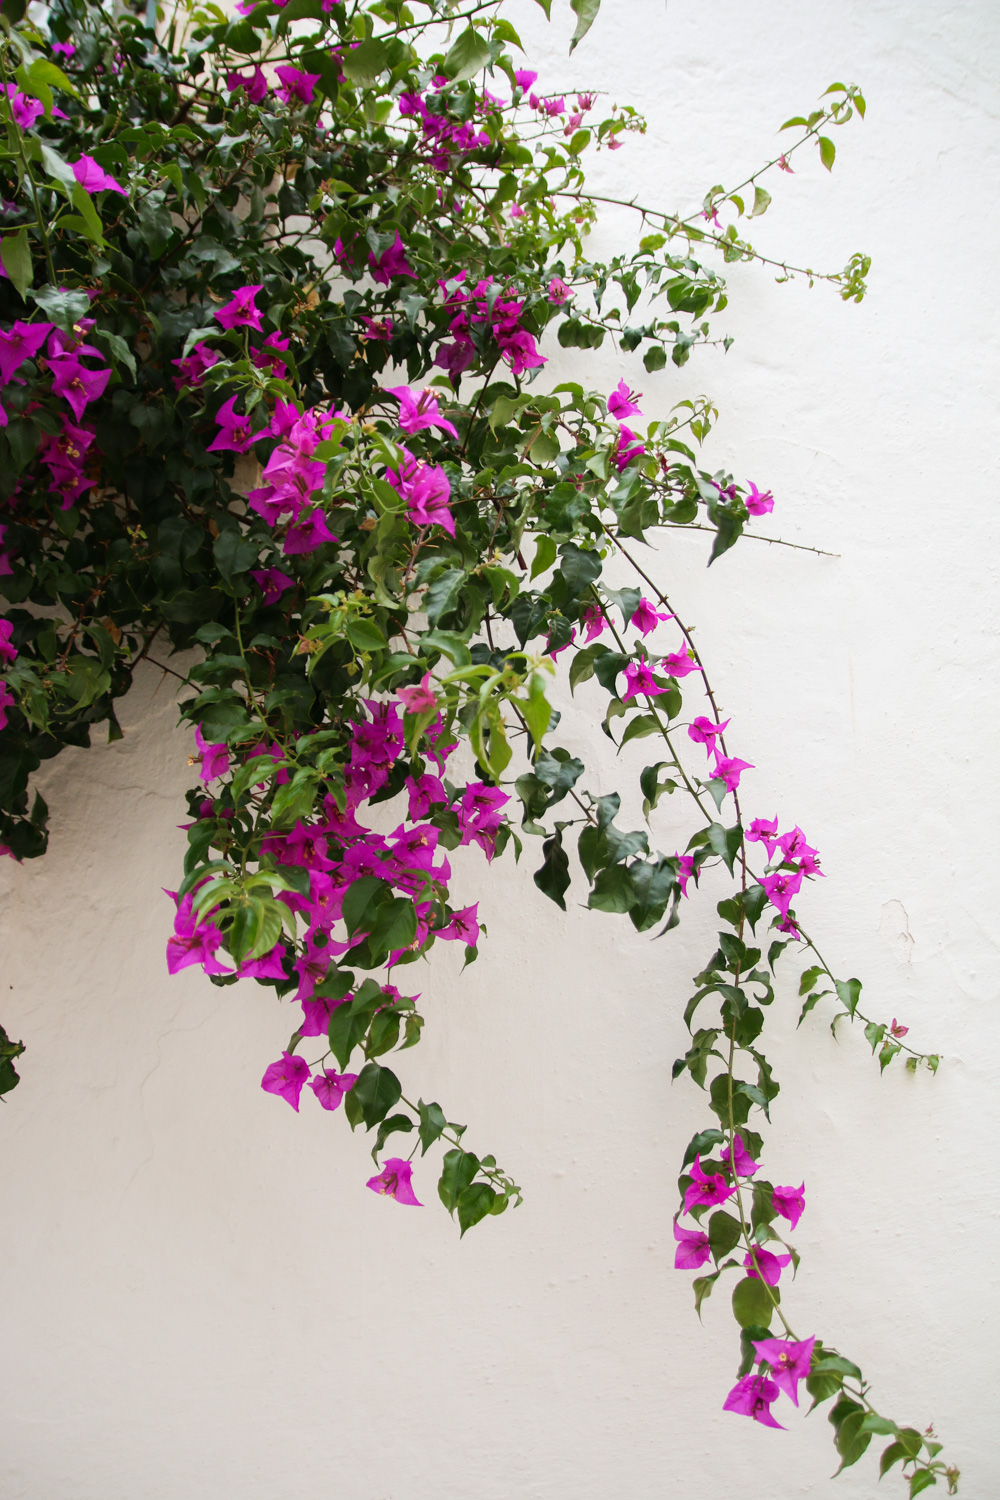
273 286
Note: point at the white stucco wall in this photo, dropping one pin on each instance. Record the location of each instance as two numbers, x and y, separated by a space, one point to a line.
198 1298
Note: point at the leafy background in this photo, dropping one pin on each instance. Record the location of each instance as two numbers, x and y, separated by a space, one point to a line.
211 1306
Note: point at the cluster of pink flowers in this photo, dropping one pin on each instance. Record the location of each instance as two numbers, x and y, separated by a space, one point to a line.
758 502
473 311
292 476
385 267
623 403
73 382
336 850
293 86
447 139
783 885
8 655
787 1362
241 311
426 490
727 768
711 1190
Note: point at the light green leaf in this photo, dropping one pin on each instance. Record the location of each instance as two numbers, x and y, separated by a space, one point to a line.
586 14
15 252
761 200
469 56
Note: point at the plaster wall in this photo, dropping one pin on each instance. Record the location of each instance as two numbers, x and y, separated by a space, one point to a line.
199 1298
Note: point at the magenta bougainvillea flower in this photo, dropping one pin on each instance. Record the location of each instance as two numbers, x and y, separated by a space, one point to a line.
753 1396
758 504
789 1360
769 1266
285 1078
242 310
194 367
685 864
763 831
692 1250
193 942
20 342
419 411
330 1087
394 1181
745 1164
623 403
307 533
214 758
704 732
255 84
647 617
639 679
782 888
9 652
626 448
235 434
426 490
594 622
390 263
76 384
790 1203
419 699
793 845
463 926
295 85
679 663
378 328
706 1191
558 291
729 768
524 79
272 583
94 178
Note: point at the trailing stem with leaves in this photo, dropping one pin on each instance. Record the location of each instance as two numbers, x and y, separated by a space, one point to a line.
272 396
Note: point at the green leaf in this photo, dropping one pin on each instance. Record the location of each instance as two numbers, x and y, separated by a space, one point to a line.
849 1439
849 991
702 1288
389 1127
586 14
545 555
723 1233
15 252
432 1124
375 1092
395 925
827 152
613 890
361 899
655 358
553 878
579 567
443 594
457 1171
761 200
467 56
233 552
364 63
921 1480
752 1302
84 205
474 1203
364 635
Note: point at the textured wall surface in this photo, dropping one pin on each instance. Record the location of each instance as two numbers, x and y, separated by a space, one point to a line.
199 1298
